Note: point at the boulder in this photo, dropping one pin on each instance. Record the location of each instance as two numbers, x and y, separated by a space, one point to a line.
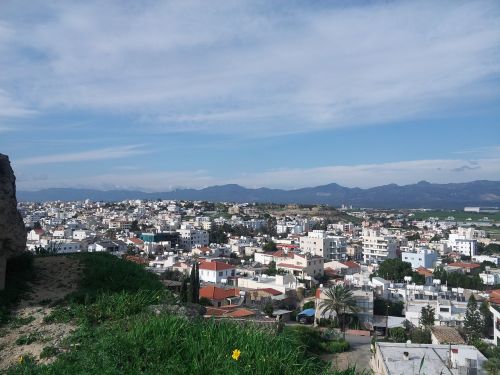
12 230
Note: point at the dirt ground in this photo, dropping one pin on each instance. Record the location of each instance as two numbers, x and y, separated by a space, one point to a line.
27 333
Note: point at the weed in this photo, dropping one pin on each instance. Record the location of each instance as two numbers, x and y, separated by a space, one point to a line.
49 351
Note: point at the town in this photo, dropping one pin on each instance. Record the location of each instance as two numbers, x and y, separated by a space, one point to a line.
389 282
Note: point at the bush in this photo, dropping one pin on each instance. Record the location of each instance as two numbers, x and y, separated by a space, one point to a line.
49 351
398 334
339 346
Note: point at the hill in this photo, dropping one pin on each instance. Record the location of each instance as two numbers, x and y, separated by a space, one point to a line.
419 195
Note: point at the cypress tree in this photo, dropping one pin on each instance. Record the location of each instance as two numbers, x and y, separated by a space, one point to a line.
197 284
473 323
192 282
184 290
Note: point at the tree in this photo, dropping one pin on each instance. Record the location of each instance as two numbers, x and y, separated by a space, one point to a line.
271 268
268 309
487 318
135 226
184 290
473 323
37 225
339 300
398 334
394 269
194 284
427 316
270 247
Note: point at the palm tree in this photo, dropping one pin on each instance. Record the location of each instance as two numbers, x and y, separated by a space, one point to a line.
339 300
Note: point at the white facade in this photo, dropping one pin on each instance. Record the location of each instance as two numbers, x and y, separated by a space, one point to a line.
320 243
191 237
420 258
460 243
377 248
216 272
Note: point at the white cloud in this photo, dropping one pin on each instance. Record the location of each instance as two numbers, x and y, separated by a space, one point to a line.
91 155
223 66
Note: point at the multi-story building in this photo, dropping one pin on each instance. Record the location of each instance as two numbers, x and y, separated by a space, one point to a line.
191 237
377 247
420 258
320 243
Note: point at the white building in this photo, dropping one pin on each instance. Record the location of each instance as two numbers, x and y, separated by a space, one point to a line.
320 243
191 237
377 247
495 310
216 272
403 358
420 258
460 243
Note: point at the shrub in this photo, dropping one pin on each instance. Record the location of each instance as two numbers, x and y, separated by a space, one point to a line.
49 351
335 346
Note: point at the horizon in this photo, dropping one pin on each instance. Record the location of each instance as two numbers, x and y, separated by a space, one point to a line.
246 187
283 95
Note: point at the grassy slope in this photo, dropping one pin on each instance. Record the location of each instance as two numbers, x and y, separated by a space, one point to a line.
118 336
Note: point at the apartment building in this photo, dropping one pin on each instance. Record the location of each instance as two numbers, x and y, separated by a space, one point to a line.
191 237
422 257
320 243
378 247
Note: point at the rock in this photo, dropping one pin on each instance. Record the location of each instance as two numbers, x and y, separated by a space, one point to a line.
12 230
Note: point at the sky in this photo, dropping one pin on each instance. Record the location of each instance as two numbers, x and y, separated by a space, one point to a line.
157 95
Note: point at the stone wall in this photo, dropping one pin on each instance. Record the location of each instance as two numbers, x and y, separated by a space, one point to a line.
12 230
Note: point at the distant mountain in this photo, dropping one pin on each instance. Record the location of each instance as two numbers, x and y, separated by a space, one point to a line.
419 195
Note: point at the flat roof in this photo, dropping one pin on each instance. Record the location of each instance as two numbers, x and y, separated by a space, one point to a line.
435 357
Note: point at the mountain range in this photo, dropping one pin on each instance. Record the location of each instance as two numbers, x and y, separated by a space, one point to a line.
420 195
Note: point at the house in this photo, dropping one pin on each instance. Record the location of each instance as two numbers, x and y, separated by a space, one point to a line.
422 257
364 302
281 283
220 296
404 358
216 272
446 335
462 267
342 268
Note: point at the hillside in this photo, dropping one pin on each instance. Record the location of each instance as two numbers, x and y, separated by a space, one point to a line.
116 331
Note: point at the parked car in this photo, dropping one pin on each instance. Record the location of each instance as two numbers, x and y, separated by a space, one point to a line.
306 316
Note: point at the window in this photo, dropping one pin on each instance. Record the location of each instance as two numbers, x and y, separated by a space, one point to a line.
220 273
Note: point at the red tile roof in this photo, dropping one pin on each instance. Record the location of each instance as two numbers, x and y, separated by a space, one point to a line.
212 292
464 265
287 265
351 264
272 291
423 271
216 266
240 313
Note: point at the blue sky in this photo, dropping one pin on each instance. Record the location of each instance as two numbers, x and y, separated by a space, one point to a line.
161 94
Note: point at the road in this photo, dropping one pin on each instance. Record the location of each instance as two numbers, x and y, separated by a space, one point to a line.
359 354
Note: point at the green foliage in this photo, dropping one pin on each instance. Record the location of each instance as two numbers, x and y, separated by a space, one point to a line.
218 235
487 318
49 351
381 307
421 336
473 322
413 237
308 305
492 248
398 334
19 272
270 247
29 338
271 268
118 334
105 273
335 346
170 345
458 279
394 269
268 309
427 316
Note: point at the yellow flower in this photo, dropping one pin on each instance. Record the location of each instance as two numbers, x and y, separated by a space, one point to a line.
21 359
236 354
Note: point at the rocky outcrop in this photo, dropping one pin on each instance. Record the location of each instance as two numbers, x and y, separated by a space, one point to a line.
12 230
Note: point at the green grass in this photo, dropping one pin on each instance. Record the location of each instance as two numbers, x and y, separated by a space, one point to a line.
20 272
118 335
